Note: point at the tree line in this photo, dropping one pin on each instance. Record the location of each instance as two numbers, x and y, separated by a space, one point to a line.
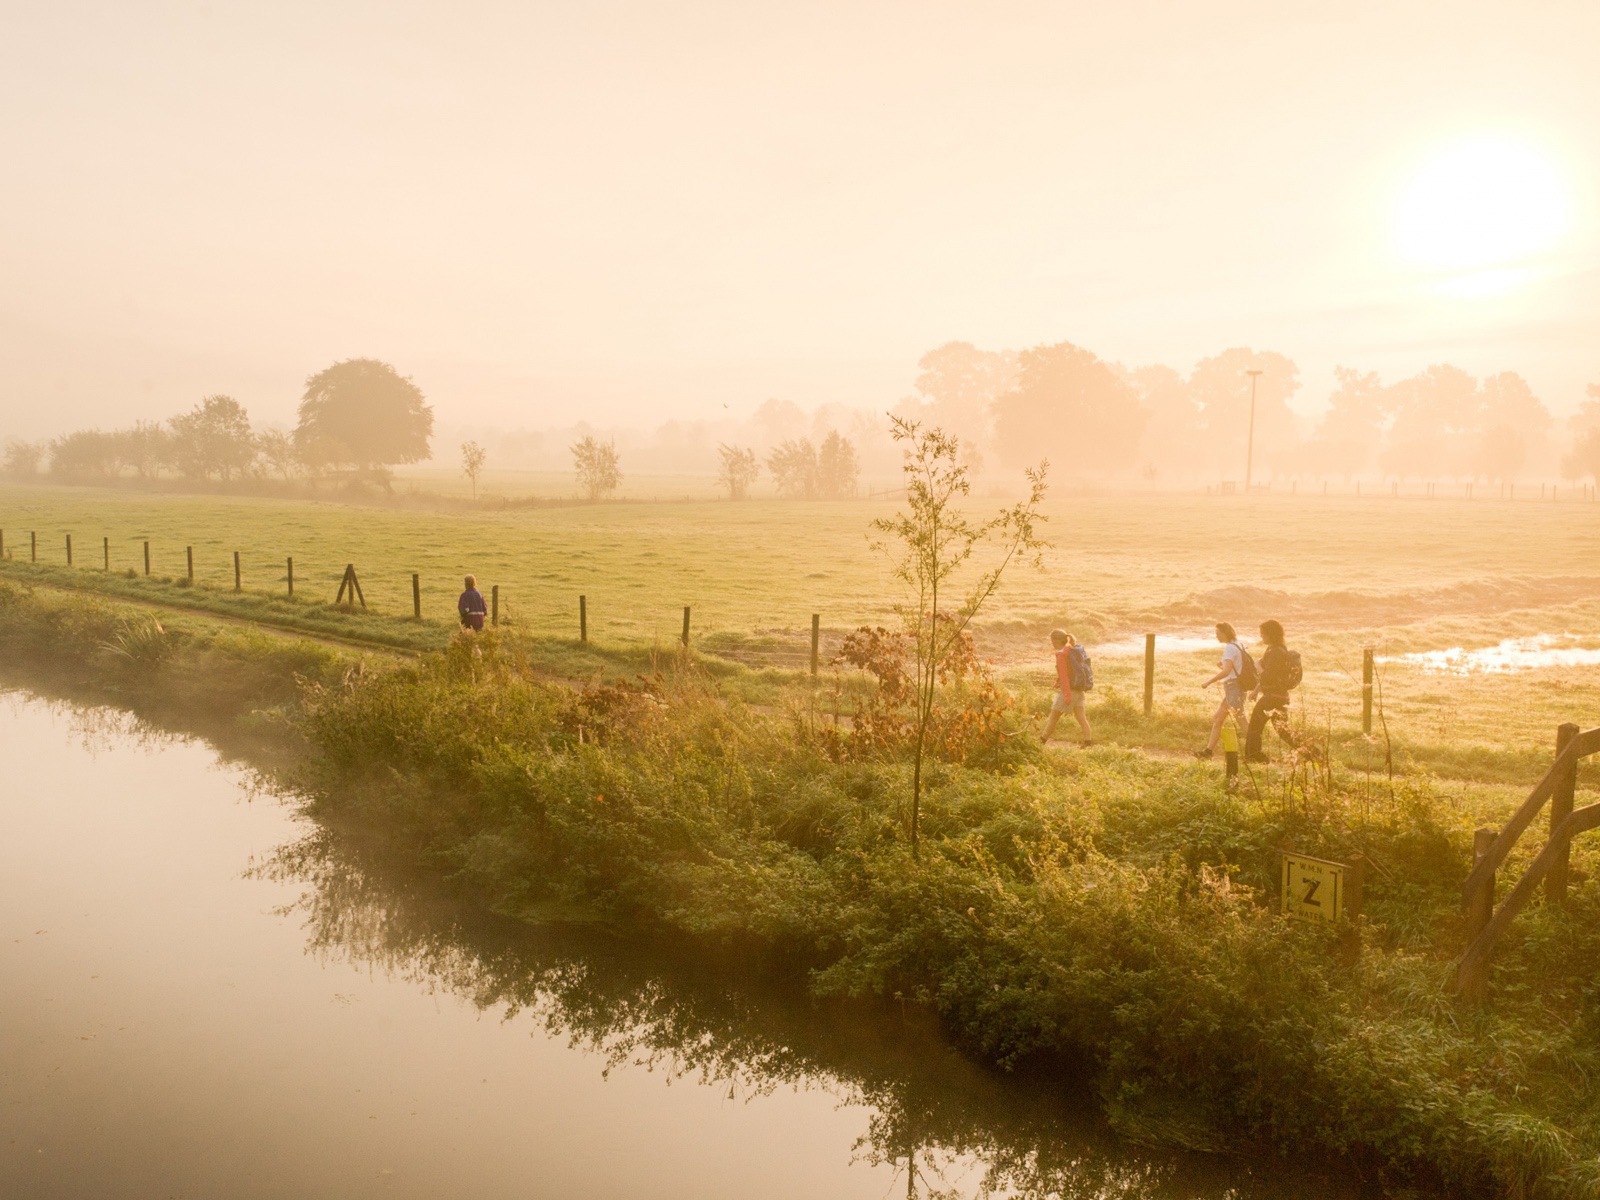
1092 416
357 418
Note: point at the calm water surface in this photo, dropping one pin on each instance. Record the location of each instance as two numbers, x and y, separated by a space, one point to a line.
202 996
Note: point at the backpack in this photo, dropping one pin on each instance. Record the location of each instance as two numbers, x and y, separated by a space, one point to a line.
1249 678
1296 674
1080 671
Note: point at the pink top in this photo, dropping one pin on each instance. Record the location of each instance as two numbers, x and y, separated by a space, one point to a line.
1063 673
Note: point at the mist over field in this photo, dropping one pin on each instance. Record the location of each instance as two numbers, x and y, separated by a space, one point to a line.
716 599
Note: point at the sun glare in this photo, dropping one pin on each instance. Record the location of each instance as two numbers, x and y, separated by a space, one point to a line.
1482 203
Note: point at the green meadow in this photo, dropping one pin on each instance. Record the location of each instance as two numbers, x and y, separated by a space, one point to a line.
1405 576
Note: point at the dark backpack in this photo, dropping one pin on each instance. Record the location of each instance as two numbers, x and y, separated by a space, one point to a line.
1295 673
1080 671
1249 678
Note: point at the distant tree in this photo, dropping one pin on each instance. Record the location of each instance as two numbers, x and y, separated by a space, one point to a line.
957 385
1435 416
1583 460
1170 421
146 447
22 459
597 464
213 438
473 456
363 413
837 468
780 420
1221 392
933 540
739 470
793 467
1513 424
85 456
279 453
1351 432
1071 407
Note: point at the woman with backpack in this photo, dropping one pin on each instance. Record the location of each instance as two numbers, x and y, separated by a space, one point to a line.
1280 673
1237 673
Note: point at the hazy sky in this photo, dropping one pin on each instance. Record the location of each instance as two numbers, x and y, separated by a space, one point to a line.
633 211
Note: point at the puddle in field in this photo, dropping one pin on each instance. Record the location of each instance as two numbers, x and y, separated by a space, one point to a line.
1513 654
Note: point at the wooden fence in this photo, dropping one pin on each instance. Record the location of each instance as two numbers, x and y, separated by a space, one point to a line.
1486 923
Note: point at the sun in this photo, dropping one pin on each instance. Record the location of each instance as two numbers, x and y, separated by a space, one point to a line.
1480 204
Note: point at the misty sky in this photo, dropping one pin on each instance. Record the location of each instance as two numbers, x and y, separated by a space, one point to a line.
632 211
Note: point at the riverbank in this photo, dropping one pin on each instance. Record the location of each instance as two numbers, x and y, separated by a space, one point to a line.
1107 916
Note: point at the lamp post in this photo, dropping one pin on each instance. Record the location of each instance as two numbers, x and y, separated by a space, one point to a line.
1250 443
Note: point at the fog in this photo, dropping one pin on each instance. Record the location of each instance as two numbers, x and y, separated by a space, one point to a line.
656 219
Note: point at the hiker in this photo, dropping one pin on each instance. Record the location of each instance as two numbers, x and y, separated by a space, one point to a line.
1072 665
1236 671
1280 674
471 606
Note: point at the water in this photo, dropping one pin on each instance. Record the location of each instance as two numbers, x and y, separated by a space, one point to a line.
1510 655
201 995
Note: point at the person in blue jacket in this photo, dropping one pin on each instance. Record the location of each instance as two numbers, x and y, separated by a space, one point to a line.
471 606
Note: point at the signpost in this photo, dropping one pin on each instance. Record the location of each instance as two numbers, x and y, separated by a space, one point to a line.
1315 889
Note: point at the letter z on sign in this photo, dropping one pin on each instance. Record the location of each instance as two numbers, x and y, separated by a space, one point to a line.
1313 888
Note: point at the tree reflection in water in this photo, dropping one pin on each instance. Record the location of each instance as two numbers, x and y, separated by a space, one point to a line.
950 1129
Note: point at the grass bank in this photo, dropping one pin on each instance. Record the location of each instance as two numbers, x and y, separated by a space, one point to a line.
1106 915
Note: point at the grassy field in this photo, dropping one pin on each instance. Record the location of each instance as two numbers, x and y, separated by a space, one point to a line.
1405 576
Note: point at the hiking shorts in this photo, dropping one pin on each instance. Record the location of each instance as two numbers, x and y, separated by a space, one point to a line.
1233 694
1060 704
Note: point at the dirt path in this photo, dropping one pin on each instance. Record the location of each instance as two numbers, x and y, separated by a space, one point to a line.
205 614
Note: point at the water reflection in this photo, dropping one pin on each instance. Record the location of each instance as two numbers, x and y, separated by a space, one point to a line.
948 1129
1512 654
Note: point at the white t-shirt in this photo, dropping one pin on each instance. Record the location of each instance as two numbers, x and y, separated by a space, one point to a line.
1233 659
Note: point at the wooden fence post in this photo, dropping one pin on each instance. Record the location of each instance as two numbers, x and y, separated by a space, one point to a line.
1555 883
2 543
105 544
69 549
583 619
188 554
147 562
33 545
1149 673
494 605
1366 690
289 564
816 639
686 626
416 595
238 578
1474 979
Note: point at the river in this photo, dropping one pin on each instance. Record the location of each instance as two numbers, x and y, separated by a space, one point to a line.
203 995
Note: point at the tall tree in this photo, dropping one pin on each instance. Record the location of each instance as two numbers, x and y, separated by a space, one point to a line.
598 467
1436 414
1070 407
1583 460
473 456
738 470
213 438
22 459
837 468
1171 418
1221 391
1350 433
793 467
363 413
932 540
957 385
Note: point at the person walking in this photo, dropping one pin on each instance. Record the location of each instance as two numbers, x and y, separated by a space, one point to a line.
1065 696
1236 673
471 606
1280 673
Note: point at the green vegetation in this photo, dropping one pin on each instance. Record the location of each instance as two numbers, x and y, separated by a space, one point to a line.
1111 910
1108 910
